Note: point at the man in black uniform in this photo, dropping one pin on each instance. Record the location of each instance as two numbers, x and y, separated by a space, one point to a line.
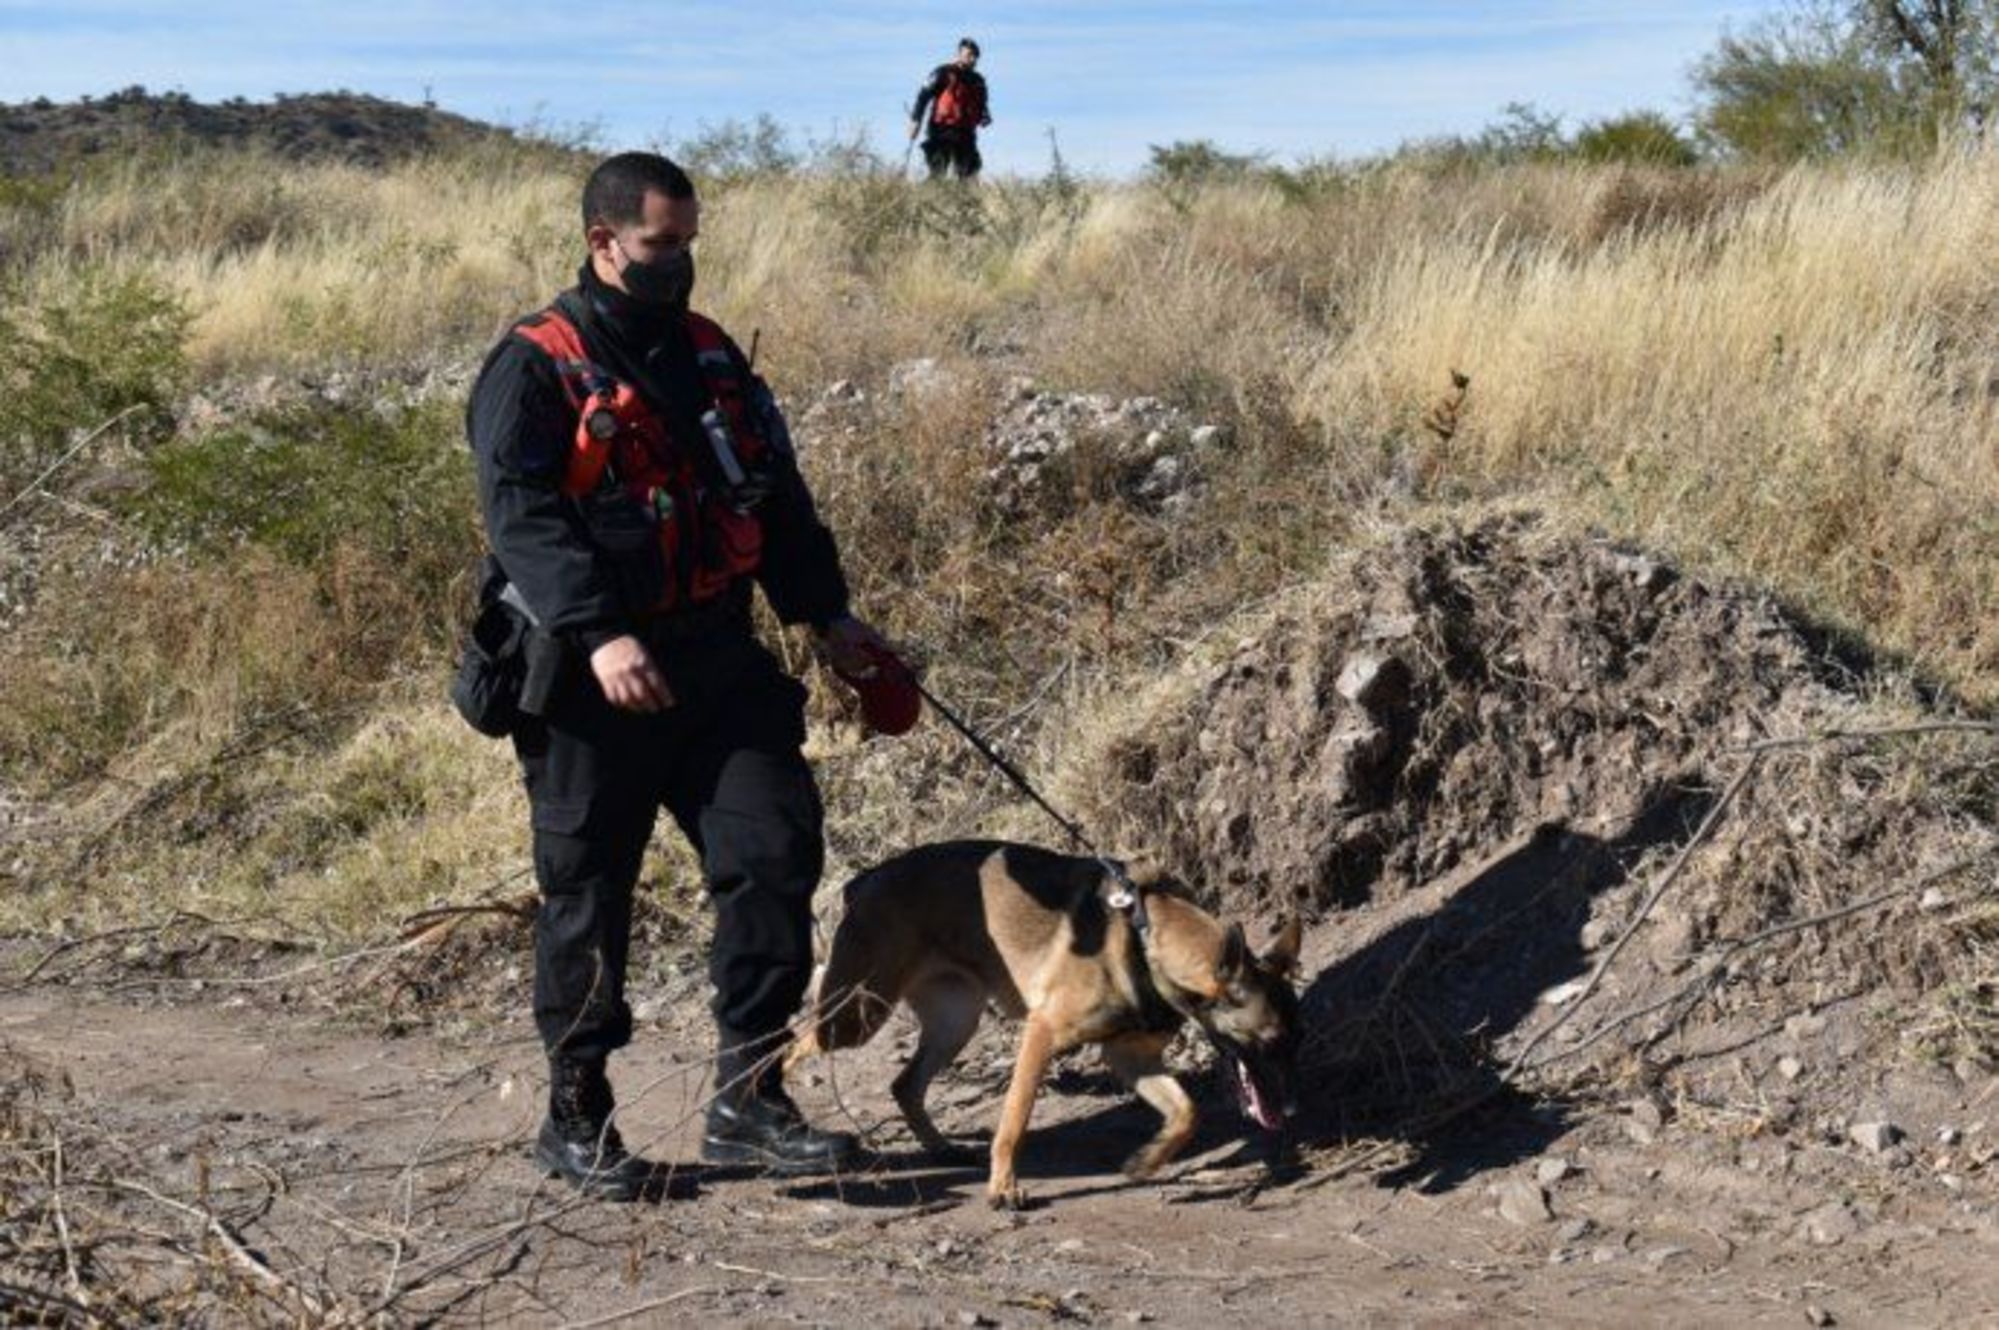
955 97
636 477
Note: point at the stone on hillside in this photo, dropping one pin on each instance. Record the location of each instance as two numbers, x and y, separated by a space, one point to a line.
1874 1137
1521 1201
1830 1224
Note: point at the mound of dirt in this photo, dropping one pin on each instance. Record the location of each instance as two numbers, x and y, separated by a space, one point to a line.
1448 691
1560 808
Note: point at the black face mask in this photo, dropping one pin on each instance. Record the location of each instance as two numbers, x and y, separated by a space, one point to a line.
666 282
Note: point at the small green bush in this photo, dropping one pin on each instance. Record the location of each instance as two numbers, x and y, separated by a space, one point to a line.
1642 138
1181 169
304 481
109 343
737 150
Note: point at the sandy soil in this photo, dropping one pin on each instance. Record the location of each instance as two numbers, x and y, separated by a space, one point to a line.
376 1170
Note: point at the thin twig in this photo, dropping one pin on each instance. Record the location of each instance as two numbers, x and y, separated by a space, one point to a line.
437 923
63 461
63 948
62 1224
1717 962
1892 732
1666 880
612 1318
772 1274
236 1249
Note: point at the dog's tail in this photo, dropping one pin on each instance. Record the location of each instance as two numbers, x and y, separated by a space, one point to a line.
841 1016
852 994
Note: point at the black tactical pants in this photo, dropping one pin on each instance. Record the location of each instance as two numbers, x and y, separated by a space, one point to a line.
955 151
725 762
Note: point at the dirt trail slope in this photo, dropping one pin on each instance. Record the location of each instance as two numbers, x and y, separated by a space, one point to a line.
363 1170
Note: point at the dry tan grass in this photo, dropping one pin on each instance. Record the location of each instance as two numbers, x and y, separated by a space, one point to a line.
1784 376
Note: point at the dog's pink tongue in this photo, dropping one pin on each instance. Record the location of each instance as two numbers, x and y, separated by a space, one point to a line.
1252 1100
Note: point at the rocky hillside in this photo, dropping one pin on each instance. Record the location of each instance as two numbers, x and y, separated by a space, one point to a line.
40 136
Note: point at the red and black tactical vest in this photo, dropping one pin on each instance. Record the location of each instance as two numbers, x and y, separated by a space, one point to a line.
961 104
706 541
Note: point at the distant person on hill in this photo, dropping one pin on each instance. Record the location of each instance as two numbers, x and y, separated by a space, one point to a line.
955 98
637 479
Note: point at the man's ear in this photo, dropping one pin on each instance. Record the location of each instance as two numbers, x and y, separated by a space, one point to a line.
1233 958
1282 953
598 236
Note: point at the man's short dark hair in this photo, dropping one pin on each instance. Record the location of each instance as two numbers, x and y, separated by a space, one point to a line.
616 192
967 44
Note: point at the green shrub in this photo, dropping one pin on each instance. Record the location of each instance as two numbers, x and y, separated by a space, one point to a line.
1641 138
107 344
321 551
737 150
1181 169
305 481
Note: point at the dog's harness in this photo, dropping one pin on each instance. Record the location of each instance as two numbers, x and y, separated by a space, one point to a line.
1123 896
1157 1013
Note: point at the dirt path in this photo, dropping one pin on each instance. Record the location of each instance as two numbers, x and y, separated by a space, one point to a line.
376 1169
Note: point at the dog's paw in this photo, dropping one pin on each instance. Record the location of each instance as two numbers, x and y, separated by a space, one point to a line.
1144 1163
1012 1196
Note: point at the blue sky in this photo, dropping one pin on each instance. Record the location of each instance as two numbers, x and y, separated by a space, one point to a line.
1287 77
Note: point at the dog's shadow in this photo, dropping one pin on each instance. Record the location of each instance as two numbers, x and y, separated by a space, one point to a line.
1403 1032
1095 1145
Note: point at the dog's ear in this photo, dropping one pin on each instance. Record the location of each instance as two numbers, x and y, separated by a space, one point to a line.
1233 958
1282 953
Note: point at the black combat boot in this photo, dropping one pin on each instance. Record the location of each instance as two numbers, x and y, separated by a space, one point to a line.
577 1142
753 1121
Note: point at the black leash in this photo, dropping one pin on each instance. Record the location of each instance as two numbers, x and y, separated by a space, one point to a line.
1124 895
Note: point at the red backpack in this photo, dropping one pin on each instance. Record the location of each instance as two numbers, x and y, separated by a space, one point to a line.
961 104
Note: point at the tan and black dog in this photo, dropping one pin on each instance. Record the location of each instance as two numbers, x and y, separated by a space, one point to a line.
948 928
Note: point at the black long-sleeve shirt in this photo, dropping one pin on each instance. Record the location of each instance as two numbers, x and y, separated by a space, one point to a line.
521 427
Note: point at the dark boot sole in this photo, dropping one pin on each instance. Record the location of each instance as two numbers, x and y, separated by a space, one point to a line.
601 1189
720 1150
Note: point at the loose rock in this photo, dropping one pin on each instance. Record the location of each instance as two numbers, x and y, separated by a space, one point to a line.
1553 1170
1830 1225
1874 1137
1521 1201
